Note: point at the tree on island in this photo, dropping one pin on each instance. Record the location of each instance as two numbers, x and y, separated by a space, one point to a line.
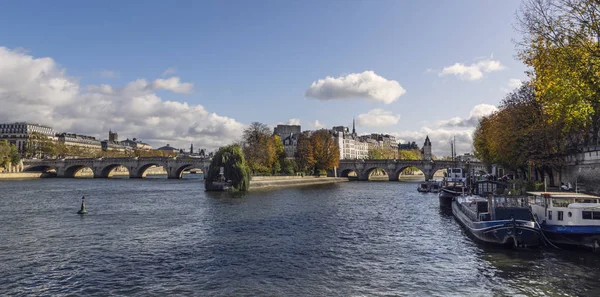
234 166
259 149
305 160
326 151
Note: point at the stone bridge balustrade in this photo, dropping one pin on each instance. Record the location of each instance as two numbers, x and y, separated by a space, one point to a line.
102 167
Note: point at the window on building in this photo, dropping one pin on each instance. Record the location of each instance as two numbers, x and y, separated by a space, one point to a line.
560 215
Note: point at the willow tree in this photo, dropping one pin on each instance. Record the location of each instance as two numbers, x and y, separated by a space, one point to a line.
235 169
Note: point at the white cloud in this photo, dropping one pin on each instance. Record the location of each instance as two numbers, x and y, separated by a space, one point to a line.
476 113
365 85
172 84
318 125
514 83
169 71
37 90
378 118
472 72
294 121
109 74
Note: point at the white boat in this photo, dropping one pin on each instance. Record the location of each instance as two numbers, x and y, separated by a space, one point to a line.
568 218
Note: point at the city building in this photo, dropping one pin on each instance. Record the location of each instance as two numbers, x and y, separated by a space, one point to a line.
136 144
376 140
289 138
108 145
82 141
113 144
168 148
467 157
113 136
351 145
408 146
426 150
18 133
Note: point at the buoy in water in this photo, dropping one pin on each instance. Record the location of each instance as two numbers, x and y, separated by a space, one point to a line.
82 210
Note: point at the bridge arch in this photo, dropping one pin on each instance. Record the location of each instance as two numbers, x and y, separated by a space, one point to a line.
142 170
74 170
177 172
396 175
370 170
348 172
107 171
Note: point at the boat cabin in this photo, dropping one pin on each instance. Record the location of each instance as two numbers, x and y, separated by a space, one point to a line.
487 187
565 208
495 208
455 175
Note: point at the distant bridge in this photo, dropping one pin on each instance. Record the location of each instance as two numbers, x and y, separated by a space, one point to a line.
103 167
393 168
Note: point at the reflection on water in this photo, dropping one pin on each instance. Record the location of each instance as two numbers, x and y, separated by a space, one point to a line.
169 237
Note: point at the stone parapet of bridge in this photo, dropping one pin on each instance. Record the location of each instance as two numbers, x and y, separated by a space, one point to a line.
103 167
393 168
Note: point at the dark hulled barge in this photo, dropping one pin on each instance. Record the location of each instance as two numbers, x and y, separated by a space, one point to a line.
505 221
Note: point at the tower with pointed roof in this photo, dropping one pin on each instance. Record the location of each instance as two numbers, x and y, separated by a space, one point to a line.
426 151
191 148
353 127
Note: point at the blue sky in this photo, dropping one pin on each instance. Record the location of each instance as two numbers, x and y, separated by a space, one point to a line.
255 60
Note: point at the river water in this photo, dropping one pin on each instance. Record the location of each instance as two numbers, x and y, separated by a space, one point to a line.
157 237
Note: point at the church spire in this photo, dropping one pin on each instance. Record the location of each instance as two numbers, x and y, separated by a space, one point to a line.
353 126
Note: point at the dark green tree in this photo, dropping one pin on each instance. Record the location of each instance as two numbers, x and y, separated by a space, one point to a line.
235 168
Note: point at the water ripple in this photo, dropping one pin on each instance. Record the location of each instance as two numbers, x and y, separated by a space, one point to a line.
163 237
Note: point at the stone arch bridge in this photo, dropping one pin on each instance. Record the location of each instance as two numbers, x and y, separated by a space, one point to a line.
103 167
393 168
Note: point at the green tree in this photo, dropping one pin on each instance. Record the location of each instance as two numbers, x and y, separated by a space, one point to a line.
289 166
231 158
259 149
278 155
326 151
560 44
38 145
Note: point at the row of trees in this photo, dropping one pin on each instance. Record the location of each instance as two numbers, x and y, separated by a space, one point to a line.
558 110
521 134
265 154
8 154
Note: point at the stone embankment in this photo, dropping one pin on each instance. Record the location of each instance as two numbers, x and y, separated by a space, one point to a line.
22 175
272 182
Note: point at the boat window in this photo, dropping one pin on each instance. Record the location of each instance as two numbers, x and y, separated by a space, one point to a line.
590 215
549 215
570 214
456 170
560 202
560 215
